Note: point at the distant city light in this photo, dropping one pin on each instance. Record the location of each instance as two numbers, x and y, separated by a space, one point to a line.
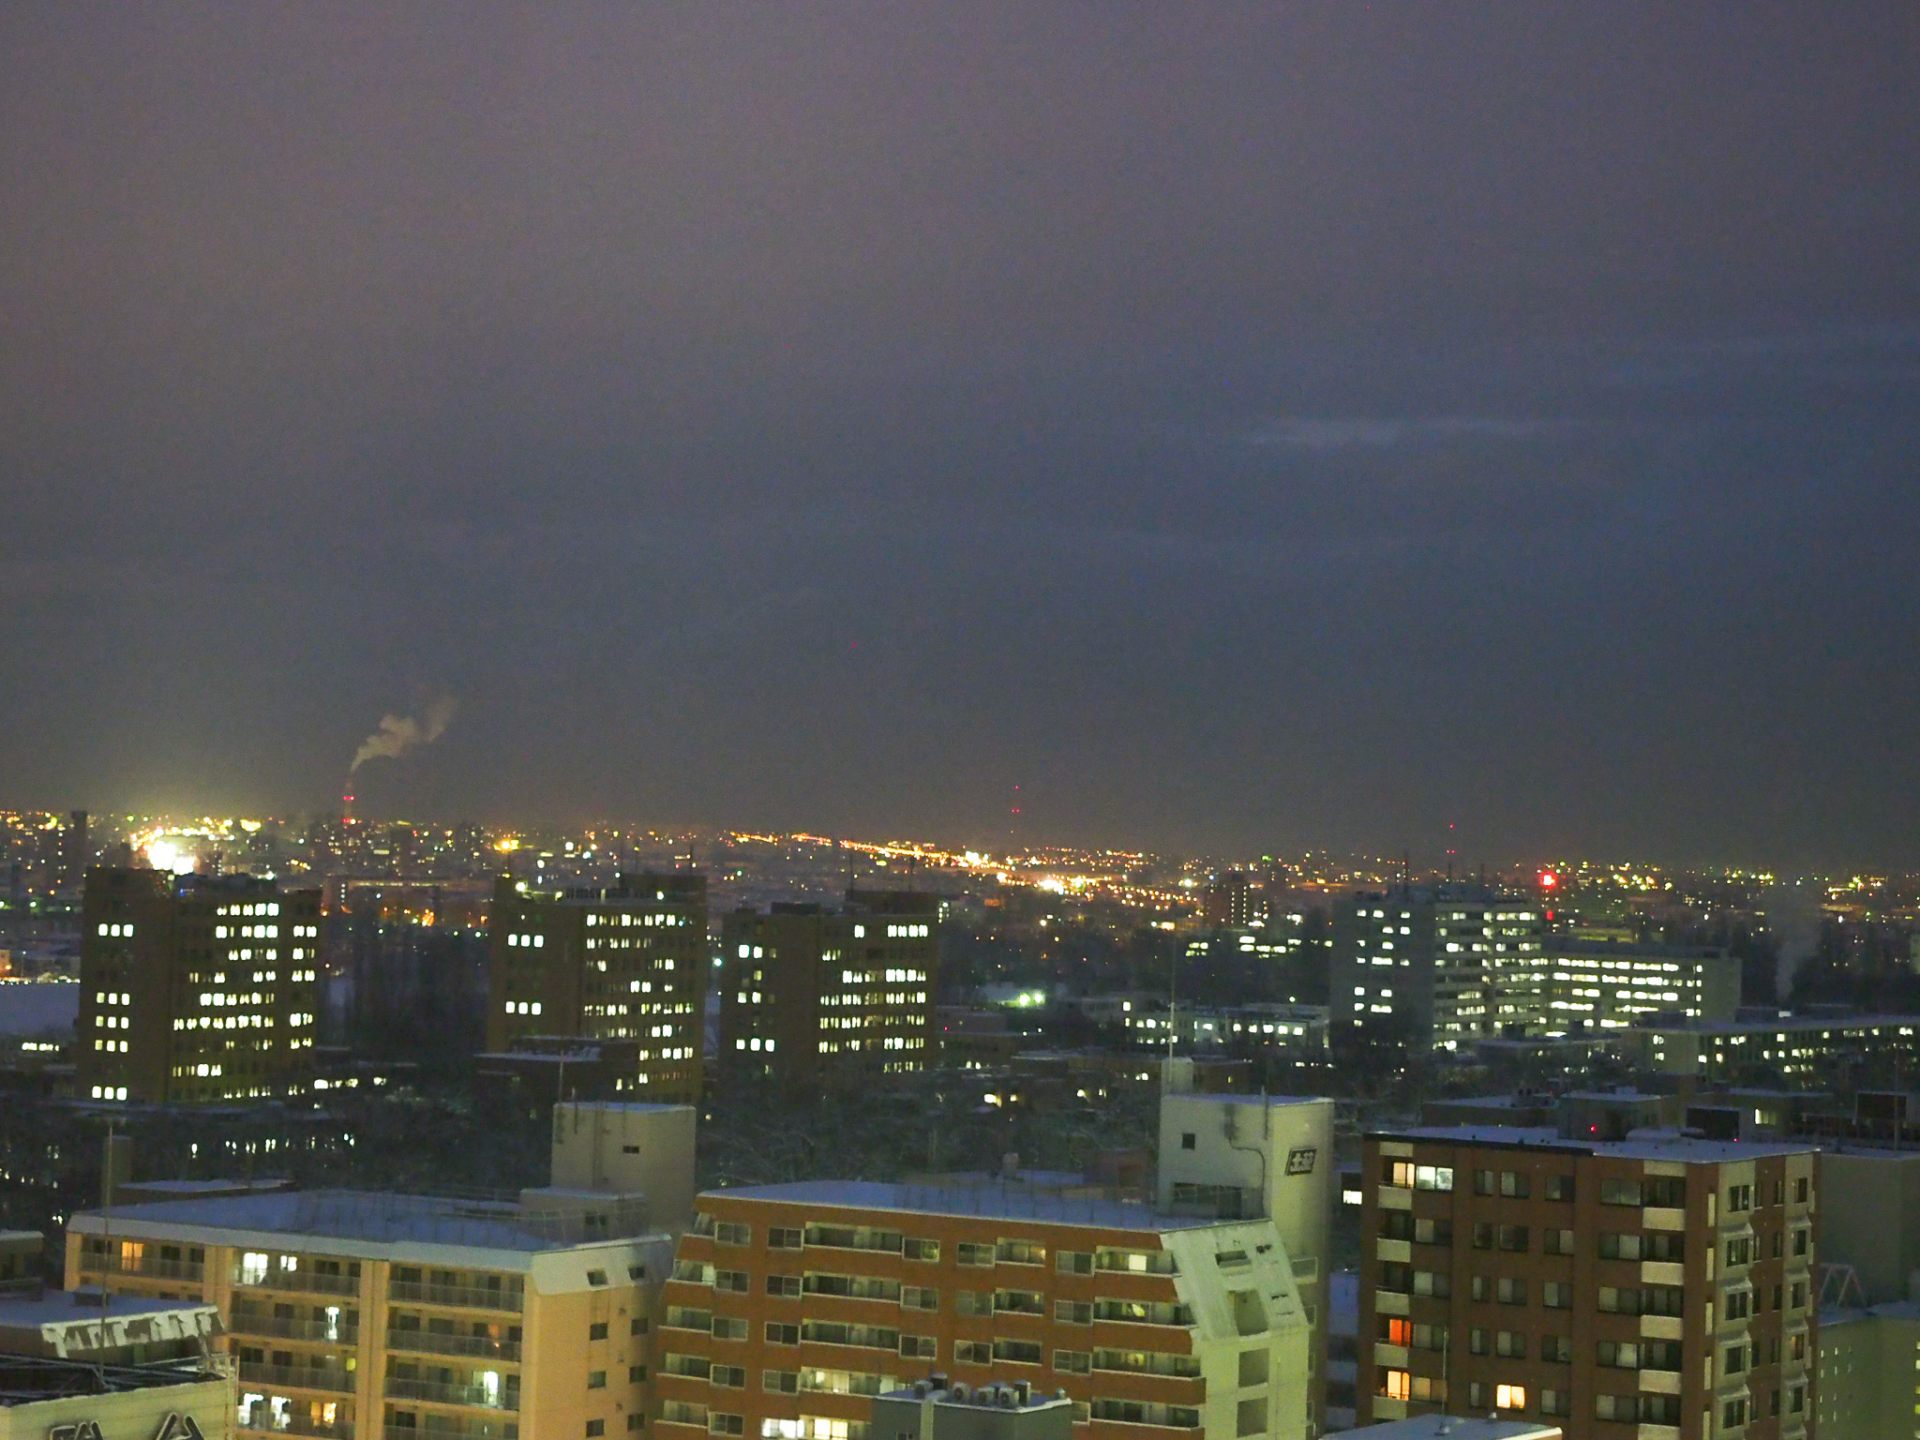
170 855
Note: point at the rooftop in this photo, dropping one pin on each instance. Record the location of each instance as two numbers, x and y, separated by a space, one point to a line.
185 1189
1574 945
1013 1395
1639 1145
369 1220
1002 1202
1907 1310
28 1380
1453 1427
73 1324
1785 1024
1264 1102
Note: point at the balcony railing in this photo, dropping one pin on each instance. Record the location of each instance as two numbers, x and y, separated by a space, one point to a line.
483 1431
149 1268
309 1282
298 1425
303 1377
429 1342
332 1332
475 1297
488 1397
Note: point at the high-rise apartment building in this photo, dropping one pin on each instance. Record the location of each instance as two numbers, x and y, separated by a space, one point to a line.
1453 963
1656 1286
365 1316
791 1305
808 994
627 961
1232 902
196 990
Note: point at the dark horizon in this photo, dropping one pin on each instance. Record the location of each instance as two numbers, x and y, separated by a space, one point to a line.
1232 427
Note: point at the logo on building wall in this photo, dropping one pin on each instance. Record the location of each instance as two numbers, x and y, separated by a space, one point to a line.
175 1427
1300 1159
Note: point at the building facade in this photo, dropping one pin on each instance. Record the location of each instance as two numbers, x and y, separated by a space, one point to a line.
1870 1372
1453 964
1602 985
1795 1050
790 1306
196 990
808 995
627 961
1657 1287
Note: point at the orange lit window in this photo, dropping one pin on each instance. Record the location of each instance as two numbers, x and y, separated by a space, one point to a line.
132 1251
1399 1332
1509 1397
1399 1385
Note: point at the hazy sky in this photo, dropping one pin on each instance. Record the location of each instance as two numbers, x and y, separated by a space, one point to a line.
1261 425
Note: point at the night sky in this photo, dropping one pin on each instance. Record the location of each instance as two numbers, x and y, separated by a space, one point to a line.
1237 425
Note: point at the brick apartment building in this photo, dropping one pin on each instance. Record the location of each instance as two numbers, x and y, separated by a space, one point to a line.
1657 1288
789 1306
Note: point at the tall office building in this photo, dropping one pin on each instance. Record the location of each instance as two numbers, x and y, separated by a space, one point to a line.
1232 902
627 961
807 994
1455 963
366 1316
1619 1289
196 990
791 1305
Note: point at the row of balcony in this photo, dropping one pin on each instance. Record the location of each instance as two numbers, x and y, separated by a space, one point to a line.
303 1280
337 1380
302 1426
332 1332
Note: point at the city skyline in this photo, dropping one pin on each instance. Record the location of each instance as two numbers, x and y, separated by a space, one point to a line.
184 837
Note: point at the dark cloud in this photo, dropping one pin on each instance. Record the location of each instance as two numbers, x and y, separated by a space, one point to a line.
1238 425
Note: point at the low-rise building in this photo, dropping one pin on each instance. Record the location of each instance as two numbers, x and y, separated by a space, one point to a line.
1800 1050
936 1409
354 1313
77 1367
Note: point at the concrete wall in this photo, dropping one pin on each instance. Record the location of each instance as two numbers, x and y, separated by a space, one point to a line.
1870 1218
1869 1385
141 1413
643 1149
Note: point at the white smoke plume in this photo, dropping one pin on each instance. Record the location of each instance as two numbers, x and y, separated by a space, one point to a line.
400 733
